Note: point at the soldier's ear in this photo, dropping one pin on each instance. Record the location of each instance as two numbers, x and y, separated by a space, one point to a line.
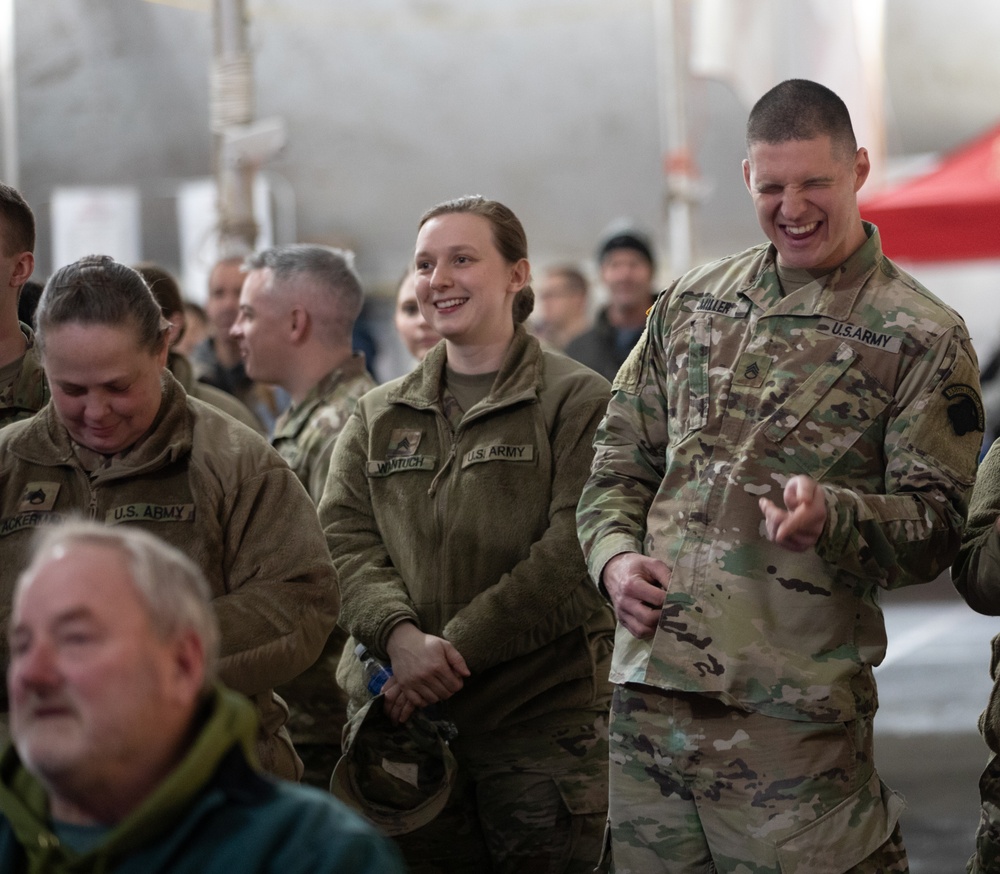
24 266
298 324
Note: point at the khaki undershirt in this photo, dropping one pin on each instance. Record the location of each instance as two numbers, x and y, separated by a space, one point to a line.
794 278
467 389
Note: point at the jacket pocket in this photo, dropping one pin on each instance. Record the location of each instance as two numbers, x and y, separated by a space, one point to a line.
844 836
688 379
827 414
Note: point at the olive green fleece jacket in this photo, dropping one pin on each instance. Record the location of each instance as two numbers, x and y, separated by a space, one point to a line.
215 490
213 814
470 533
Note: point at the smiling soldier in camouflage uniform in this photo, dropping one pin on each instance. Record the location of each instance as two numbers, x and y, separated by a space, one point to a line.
23 390
298 306
797 429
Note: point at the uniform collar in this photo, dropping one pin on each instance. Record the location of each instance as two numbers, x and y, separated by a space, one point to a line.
520 375
31 388
46 441
833 295
295 418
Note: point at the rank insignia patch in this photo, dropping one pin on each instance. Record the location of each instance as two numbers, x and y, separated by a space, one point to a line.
38 497
403 443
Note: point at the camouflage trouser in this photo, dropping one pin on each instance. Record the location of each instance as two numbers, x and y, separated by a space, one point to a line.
528 801
987 857
697 786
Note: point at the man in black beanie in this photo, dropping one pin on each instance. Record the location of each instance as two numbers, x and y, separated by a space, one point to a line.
627 267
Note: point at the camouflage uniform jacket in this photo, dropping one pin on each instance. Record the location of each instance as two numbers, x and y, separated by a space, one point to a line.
28 391
977 577
304 434
470 533
215 490
866 383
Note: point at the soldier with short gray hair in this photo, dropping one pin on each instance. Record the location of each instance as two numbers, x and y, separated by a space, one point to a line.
297 311
797 430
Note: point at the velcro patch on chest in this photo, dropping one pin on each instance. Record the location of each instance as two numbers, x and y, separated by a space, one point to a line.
732 309
751 369
403 443
150 513
860 334
395 465
498 452
38 497
34 519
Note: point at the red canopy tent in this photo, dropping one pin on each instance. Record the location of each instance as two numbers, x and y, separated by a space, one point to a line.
951 213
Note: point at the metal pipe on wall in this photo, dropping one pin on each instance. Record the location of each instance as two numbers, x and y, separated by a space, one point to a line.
8 94
232 104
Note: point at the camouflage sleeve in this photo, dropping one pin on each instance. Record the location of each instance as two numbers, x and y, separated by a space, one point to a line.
976 571
374 598
324 429
628 453
911 533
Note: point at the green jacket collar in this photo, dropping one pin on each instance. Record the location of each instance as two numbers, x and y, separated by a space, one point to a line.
182 370
520 377
835 297
231 723
293 420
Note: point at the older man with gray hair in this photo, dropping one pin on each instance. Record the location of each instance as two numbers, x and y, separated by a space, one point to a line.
127 755
297 311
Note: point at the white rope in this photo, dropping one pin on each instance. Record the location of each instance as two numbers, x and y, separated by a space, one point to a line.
232 92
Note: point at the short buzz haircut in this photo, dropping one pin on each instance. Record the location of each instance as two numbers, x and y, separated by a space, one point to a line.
18 232
336 288
799 109
171 588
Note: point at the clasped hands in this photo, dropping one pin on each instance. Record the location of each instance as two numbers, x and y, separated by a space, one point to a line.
425 669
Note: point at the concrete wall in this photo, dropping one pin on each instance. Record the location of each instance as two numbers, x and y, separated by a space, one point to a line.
393 105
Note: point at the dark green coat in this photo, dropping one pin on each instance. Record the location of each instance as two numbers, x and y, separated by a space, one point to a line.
212 815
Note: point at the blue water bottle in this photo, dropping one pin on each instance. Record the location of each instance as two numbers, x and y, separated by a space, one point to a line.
375 673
